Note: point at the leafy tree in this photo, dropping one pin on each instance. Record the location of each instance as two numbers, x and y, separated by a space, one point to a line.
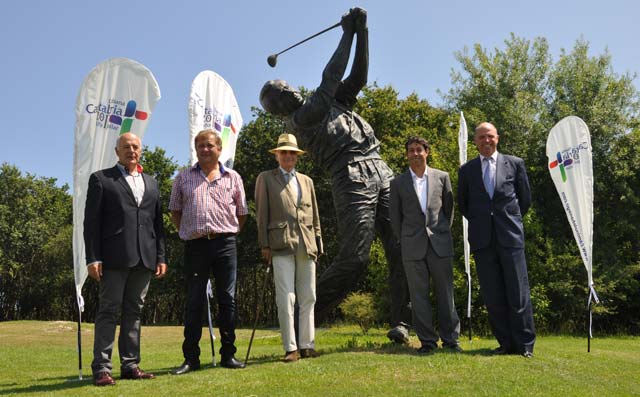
524 93
33 214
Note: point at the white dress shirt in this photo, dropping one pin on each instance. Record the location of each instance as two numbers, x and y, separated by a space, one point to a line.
421 186
135 181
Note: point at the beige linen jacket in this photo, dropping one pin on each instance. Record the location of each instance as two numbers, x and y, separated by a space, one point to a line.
282 221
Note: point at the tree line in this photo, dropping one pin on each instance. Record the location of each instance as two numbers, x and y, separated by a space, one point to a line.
520 88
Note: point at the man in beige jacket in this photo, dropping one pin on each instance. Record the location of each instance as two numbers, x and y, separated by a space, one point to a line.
290 239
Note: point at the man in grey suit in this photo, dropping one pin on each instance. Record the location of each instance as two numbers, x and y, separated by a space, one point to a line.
421 211
124 241
494 195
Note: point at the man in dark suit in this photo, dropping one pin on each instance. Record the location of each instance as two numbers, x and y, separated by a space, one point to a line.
494 195
421 211
124 240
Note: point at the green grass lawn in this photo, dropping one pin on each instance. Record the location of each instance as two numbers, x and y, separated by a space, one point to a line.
40 358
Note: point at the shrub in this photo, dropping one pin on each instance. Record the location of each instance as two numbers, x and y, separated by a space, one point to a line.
358 308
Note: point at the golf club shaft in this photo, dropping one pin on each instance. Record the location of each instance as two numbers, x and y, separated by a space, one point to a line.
309 38
213 350
255 321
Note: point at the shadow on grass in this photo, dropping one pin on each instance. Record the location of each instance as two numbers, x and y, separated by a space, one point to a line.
356 345
63 383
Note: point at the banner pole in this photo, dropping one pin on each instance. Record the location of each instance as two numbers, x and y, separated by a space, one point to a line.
593 297
469 305
79 343
589 330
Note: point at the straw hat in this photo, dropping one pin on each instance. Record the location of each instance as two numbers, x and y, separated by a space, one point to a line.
287 142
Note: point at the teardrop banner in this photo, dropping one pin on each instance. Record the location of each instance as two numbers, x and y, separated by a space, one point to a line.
463 138
570 163
212 106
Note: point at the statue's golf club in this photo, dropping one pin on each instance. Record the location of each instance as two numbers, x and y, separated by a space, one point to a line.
273 59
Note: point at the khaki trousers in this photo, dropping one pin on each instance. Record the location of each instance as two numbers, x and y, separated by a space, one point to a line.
295 278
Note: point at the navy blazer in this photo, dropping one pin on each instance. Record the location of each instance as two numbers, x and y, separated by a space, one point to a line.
118 232
511 201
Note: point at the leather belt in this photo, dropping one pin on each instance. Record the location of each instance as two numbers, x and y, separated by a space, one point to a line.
214 236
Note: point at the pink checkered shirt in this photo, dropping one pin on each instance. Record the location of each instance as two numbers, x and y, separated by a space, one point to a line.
208 207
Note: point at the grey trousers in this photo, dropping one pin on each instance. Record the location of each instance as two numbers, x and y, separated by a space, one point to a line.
440 270
361 198
121 292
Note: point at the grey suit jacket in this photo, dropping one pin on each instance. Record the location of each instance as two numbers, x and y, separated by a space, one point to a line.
511 200
411 226
118 232
282 220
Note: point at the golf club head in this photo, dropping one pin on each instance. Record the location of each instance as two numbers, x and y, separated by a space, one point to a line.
272 60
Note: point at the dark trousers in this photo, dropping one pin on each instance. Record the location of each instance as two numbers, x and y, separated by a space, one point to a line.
121 296
361 198
504 286
201 257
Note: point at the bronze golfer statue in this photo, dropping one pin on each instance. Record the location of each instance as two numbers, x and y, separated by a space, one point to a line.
341 141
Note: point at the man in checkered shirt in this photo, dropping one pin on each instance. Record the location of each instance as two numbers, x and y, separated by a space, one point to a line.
208 207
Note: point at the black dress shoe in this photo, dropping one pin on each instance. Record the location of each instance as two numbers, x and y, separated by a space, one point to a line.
186 366
453 348
232 363
500 351
399 334
426 349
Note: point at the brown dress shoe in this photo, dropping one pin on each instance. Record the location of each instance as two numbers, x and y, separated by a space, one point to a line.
291 357
309 353
136 373
103 379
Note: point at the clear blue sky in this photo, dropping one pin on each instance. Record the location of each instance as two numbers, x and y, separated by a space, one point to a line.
48 47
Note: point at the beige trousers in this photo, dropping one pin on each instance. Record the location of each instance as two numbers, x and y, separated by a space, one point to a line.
295 278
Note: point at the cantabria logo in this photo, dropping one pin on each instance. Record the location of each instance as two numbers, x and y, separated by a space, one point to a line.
220 122
116 115
566 159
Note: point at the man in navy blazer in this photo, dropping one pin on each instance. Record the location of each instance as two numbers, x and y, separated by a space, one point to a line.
124 243
494 195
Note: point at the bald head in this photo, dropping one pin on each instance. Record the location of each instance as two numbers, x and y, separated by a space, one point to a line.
486 126
486 138
128 150
127 135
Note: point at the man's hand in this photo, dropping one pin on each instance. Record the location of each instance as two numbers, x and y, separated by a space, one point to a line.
360 18
95 271
348 22
266 255
161 270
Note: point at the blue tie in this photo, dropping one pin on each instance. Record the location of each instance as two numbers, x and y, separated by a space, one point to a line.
488 176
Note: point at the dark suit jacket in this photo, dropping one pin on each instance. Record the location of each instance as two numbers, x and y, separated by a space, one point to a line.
415 229
117 232
511 200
